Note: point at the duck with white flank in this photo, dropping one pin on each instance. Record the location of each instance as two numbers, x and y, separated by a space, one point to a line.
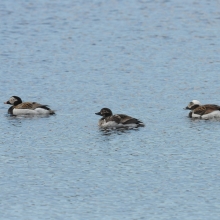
27 108
109 120
208 111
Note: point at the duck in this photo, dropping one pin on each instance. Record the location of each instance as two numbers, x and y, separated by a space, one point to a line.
207 111
109 120
27 108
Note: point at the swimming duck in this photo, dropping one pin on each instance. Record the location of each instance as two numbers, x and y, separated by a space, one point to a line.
109 120
203 111
27 108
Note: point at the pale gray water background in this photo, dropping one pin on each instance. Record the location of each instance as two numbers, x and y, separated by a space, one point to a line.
147 59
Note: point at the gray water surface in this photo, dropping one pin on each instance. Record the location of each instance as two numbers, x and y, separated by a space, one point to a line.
147 59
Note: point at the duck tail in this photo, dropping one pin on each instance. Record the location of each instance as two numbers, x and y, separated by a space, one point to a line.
51 112
140 124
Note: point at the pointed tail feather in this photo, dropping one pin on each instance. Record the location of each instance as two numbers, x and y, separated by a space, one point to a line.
47 108
135 121
140 124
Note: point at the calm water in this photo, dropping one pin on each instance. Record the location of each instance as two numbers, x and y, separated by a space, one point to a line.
147 59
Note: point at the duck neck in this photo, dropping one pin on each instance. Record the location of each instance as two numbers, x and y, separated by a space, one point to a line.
194 107
17 103
107 115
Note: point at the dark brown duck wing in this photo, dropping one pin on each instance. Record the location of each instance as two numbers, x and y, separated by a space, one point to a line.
125 119
206 109
30 105
121 119
24 105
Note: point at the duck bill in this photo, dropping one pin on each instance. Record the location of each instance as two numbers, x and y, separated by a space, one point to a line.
7 102
187 108
98 113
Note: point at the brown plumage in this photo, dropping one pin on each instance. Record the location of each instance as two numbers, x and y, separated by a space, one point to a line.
122 119
28 105
119 120
206 109
22 108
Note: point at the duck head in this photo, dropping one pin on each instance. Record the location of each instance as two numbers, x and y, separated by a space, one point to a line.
14 100
193 104
104 112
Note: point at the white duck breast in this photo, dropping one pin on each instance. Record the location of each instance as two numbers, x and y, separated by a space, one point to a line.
109 124
214 114
37 111
195 115
113 124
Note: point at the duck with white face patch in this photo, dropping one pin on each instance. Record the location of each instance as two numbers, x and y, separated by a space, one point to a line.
207 111
27 108
109 120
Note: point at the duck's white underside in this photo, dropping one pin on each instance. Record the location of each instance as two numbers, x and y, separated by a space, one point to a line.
113 124
37 111
214 114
